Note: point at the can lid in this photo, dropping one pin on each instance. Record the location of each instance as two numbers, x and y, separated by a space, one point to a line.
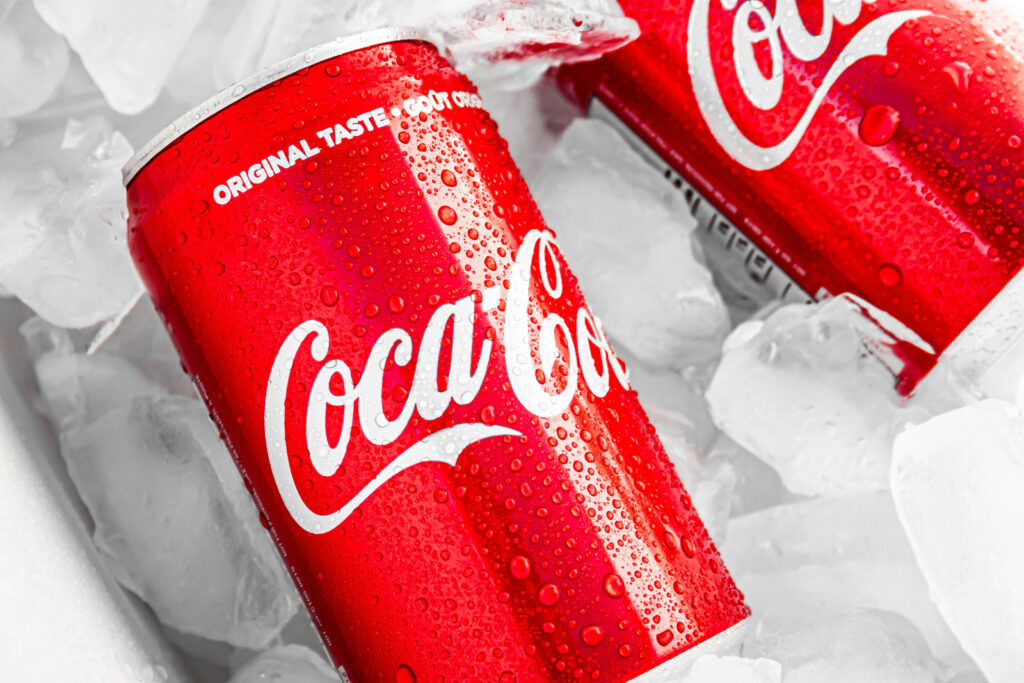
238 91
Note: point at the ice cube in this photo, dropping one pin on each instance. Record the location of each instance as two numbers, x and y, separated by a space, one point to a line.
128 47
197 73
628 236
291 663
715 669
757 485
141 338
870 646
531 121
8 131
709 482
77 387
33 59
310 22
175 522
509 44
808 562
801 391
958 482
970 676
63 224
236 38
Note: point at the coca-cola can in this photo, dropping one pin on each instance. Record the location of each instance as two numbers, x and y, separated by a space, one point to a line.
875 148
439 438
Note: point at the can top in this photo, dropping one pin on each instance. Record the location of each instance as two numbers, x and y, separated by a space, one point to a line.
238 91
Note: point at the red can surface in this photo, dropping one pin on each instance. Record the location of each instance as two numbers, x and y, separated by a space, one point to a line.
840 146
443 445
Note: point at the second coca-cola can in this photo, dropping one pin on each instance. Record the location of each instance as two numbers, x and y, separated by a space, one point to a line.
443 445
871 148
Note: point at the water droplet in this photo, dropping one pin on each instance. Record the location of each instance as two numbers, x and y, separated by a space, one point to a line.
440 496
689 549
592 635
507 677
218 268
520 567
549 594
960 75
404 137
396 304
965 240
625 650
670 540
972 197
328 295
332 70
448 178
447 215
404 674
879 124
890 275
891 68
665 637
1014 142
614 586
366 271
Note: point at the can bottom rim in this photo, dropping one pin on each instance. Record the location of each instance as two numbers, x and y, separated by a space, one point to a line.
671 671
723 643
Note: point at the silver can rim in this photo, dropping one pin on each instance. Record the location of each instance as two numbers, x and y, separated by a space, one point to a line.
239 91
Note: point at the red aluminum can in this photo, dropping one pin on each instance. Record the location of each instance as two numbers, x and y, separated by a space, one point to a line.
444 447
841 146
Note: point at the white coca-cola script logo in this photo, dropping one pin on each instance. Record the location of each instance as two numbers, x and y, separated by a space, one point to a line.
787 27
361 400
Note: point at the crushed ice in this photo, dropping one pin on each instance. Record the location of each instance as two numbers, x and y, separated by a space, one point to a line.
862 562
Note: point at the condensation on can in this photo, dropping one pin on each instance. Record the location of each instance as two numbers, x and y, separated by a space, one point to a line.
443 444
883 158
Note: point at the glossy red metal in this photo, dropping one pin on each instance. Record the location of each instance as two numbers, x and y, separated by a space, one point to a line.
443 446
848 146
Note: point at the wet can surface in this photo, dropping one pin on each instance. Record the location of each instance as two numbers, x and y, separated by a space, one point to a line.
841 146
442 444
